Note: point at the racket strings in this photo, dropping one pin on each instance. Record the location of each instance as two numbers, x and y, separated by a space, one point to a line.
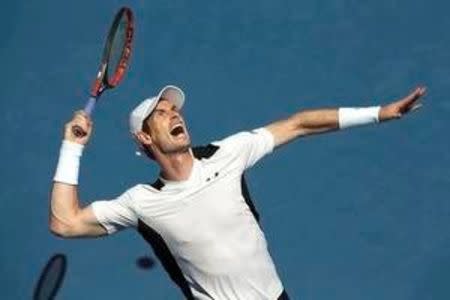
117 47
118 50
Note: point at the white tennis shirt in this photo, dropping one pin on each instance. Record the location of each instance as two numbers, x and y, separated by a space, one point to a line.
206 223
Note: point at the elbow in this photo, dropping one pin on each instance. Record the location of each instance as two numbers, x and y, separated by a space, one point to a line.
60 230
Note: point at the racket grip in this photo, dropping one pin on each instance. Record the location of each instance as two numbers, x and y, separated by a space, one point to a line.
88 108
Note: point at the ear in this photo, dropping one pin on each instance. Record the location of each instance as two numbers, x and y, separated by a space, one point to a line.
143 138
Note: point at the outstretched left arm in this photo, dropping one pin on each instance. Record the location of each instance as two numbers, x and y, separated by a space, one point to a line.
318 121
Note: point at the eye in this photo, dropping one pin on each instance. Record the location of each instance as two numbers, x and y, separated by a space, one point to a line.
161 112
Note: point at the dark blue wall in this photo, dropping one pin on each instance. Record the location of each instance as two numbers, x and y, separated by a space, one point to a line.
362 214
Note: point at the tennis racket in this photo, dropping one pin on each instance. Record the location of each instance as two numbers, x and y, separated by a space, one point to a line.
51 278
115 60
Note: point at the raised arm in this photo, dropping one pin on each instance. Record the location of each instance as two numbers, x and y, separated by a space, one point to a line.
318 121
67 218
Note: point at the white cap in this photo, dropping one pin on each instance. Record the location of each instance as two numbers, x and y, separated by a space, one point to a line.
146 107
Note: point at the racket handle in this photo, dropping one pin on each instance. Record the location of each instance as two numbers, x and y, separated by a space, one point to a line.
90 105
88 108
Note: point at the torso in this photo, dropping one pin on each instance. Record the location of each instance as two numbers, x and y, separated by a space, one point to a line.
210 230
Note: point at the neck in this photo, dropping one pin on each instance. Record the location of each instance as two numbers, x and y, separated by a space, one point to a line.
176 166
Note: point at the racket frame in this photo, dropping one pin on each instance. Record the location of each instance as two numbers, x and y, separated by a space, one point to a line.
103 82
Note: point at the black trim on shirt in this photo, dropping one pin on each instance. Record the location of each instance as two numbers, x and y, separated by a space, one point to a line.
204 151
248 198
165 257
158 184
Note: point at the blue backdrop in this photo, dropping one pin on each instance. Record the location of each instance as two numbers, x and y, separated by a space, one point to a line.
361 214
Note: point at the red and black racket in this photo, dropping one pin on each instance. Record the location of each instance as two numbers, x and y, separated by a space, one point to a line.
115 60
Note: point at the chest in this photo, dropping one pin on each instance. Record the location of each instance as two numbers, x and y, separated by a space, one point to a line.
201 214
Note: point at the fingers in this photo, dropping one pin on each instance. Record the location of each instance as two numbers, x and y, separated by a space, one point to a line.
420 91
416 94
78 129
82 119
409 101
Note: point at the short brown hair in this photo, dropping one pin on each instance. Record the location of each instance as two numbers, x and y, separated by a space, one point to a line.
146 129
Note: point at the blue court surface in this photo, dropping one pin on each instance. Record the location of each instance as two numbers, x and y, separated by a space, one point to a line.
357 215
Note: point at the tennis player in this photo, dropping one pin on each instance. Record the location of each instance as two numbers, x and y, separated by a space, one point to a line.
197 215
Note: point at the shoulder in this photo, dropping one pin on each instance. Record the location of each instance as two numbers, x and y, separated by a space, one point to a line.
234 138
244 139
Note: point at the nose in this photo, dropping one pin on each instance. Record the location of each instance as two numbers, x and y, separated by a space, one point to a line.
175 116
174 113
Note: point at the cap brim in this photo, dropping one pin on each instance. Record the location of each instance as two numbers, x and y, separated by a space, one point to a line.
172 94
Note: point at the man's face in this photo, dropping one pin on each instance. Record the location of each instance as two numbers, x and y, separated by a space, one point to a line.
167 129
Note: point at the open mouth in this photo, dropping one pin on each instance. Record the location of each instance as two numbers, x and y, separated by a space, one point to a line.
177 130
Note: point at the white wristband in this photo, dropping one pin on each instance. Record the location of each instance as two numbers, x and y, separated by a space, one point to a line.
69 163
350 117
